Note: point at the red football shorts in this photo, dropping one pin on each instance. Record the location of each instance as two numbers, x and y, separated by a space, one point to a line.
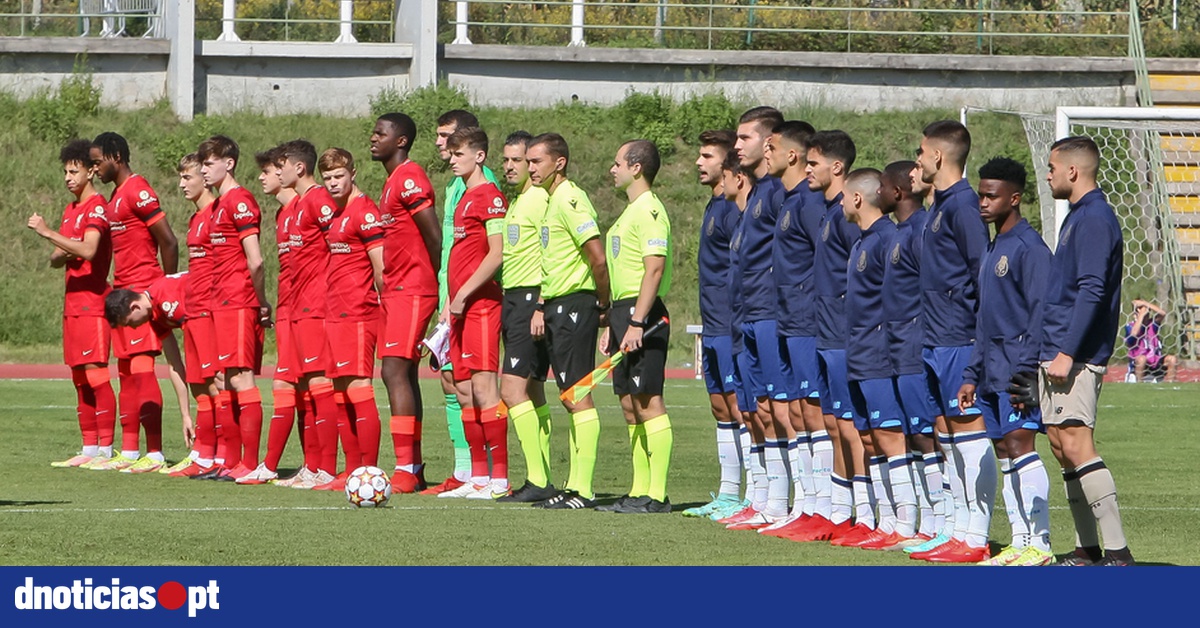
405 321
285 351
85 340
239 339
475 339
130 341
308 339
351 346
199 349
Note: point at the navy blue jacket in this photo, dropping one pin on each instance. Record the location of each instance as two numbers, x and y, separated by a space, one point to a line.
954 239
902 296
829 274
1012 284
758 236
796 235
866 338
716 231
1083 292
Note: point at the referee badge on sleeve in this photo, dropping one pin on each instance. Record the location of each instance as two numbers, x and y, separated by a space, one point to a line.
862 261
514 234
616 246
545 237
1002 266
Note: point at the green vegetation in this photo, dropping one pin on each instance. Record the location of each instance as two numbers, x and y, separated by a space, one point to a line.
31 292
76 517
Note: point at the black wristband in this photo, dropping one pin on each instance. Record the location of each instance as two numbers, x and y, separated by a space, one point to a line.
540 306
633 322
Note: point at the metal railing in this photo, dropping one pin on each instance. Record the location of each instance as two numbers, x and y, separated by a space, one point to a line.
952 26
116 18
341 21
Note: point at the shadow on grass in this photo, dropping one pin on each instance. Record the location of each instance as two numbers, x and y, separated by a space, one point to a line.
22 503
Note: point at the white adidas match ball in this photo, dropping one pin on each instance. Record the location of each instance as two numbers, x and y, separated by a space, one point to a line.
368 487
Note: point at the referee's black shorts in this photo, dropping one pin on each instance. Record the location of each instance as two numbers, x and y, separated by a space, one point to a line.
572 322
641 372
523 355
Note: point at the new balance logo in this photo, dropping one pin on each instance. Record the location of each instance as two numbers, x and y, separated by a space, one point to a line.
343 364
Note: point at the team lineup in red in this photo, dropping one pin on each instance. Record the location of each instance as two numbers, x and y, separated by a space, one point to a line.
874 357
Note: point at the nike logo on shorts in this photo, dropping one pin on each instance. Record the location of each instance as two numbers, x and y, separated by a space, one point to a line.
341 364
88 352
468 355
310 360
389 345
204 366
222 358
136 340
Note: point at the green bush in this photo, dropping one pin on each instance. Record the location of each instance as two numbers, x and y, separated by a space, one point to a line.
55 115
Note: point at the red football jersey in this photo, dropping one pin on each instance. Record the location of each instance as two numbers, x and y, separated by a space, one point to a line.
355 230
478 205
235 217
285 219
87 281
132 209
309 253
200 262
406 262
167 295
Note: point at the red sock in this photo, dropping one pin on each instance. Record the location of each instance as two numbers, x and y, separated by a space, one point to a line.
310 439
347 432
106 405
229 441
250 418
326 426
150 401
206 428
129 399
495 432
282 415
406 433
366 423
473 430
85 407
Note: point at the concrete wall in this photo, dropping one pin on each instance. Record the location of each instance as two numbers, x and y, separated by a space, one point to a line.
531 76
131 73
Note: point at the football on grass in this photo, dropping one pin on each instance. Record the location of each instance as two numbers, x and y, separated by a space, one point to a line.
368 487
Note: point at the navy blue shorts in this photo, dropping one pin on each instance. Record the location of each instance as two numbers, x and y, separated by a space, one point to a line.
800 355
876 406
919 407
764 366
834 387
944 369
1001 418
745 399
716 359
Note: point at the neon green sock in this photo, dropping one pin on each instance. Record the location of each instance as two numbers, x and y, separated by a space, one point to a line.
587 441
544 429
659 440
525 421
572 458
641 461
462 454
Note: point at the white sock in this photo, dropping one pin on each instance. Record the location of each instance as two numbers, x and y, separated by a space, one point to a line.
156 456
979 463
407 468
877 466
840 498
957 514
500 485
106 451
729 457
934 492
481 480
1034 495
745 444
758 463
462 476
205 462
91 450
864 501
132 455
902 495
778 485
805 497
1012 508
799 478
822 451
916 471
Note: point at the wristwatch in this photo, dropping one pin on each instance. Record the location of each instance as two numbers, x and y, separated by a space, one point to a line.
633 322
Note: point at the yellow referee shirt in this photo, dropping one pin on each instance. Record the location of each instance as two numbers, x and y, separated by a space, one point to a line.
642 230
570 222
522 267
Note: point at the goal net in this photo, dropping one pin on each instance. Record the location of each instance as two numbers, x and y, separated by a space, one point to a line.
1150 172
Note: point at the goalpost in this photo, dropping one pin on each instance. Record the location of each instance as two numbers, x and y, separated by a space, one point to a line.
1150 172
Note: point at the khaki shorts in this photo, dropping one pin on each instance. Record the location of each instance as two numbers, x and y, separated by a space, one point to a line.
1074 402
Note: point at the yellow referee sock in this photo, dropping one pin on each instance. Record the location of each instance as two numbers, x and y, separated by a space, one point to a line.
544 430
525 421
659 440
641 461
586 424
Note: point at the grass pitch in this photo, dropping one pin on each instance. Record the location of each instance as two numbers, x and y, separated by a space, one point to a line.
51 516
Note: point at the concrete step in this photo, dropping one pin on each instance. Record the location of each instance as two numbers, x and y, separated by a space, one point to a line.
1181 174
